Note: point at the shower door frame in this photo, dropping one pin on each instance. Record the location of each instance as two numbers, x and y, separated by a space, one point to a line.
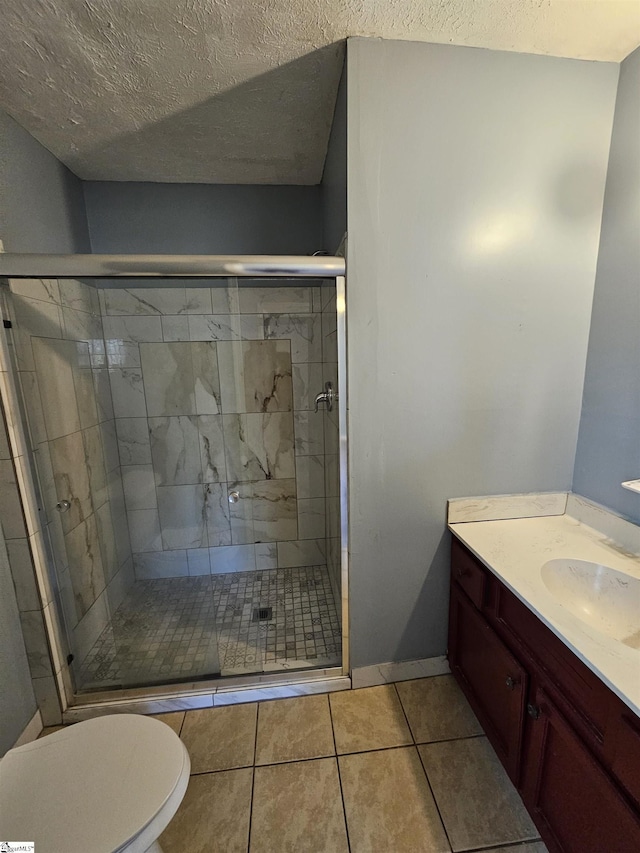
146 270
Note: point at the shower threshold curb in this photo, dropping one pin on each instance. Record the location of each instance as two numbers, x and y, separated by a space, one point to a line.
235 691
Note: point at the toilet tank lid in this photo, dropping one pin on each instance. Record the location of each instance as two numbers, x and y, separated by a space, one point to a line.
92 786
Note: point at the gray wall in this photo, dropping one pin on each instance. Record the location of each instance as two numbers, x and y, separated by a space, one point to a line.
203 218
334 177
609 439
476 181
41 201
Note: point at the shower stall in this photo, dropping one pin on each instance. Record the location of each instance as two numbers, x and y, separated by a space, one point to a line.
179 431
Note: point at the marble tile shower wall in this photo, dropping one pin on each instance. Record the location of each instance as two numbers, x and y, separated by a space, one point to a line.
213 392
61 360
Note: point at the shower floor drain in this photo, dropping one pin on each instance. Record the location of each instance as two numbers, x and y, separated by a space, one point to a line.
262 614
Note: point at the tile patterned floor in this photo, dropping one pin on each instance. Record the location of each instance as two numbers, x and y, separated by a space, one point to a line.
182 629
391 769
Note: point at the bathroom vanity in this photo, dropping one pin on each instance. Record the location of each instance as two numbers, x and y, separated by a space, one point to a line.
557 697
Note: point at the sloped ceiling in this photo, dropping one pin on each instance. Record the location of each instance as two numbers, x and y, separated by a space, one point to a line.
239 91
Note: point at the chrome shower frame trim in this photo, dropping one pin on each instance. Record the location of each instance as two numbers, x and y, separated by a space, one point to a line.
341 312
170 266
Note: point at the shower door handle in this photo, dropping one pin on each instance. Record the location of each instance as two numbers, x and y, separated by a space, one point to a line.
328 396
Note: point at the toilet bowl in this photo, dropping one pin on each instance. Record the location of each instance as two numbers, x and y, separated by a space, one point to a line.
107 785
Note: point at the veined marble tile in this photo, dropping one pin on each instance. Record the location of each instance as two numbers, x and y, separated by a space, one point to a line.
309 434
316 300
241 513
224 299
226 327
183 519
120 584
23 574
47 700
85 564
310 476
307 382
33 318
212 457
109 445
107 541
266 555
133 441
168 379
116 493
122 353
90 626
139 487
35 642
122 541
80 326
45 289
259 446
175 328
134 329
71 478
102 391
145 301
499 507
204 356
55 362
328 297
217 513
94 463
303 330
144 530
311 519
86 397
198 561
175 450
255 376
127 389
274 509
232 558
35 415
306 552
198 301
275 300
162 564
80 296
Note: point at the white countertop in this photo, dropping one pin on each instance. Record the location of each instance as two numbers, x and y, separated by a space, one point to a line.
515 549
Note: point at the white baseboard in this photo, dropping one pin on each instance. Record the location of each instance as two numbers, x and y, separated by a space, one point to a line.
385 673
31 730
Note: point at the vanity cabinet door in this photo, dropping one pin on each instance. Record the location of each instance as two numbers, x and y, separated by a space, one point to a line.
569 796
492 679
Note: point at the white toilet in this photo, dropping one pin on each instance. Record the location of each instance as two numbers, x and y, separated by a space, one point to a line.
107 785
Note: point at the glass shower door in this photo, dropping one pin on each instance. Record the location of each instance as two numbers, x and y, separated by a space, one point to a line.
191 490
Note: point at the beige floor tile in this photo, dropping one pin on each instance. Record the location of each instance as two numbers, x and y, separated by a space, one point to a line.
297 808
437 709
220 738
214 815
389 804
293 729
371 718
174 719
479 805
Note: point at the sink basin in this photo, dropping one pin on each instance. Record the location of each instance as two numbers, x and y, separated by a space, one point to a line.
602 597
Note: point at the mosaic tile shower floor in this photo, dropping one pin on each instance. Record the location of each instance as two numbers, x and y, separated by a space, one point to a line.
187 628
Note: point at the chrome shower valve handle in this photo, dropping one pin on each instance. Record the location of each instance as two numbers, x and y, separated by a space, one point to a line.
328 397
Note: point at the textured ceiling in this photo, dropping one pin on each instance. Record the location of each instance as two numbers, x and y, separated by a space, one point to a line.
239 91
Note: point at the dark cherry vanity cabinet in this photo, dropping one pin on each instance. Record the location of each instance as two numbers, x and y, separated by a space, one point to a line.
568 743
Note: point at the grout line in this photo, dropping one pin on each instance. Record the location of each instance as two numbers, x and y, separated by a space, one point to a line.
335 746
253 777
424 769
